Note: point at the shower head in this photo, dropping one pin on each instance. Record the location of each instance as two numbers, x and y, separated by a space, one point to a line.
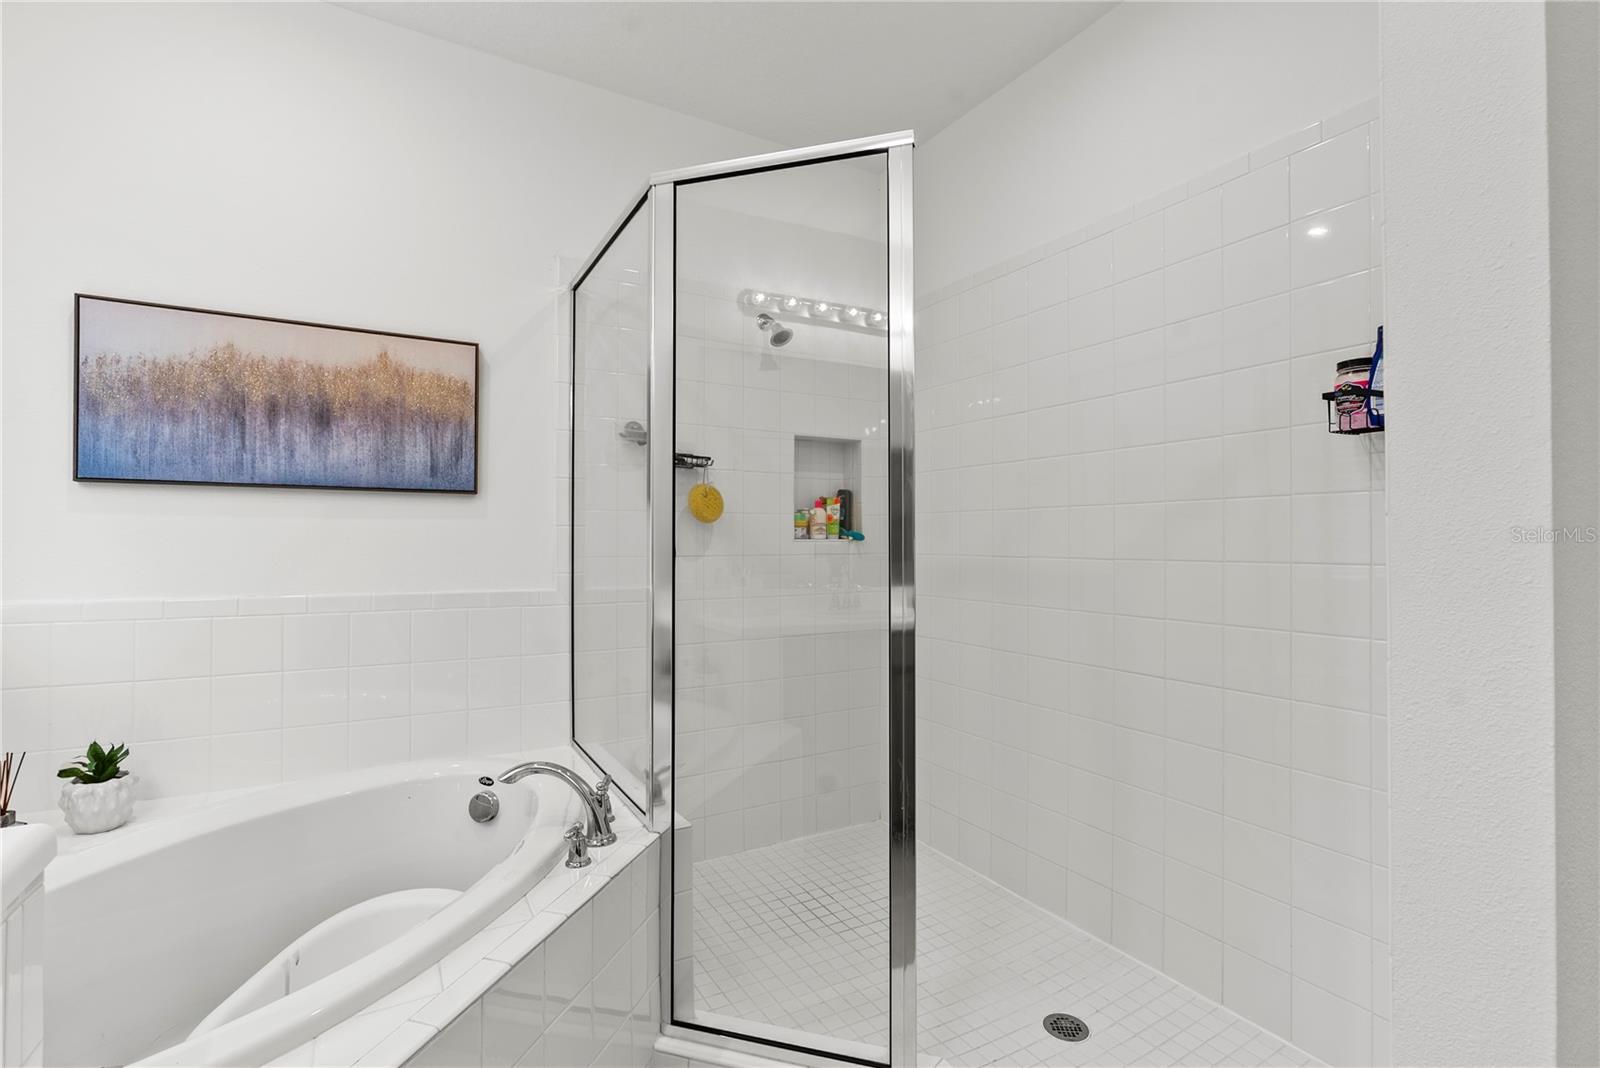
778 334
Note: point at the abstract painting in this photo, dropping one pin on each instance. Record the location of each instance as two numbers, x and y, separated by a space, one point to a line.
170 394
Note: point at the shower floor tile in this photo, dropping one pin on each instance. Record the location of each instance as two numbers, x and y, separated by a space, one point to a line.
796 935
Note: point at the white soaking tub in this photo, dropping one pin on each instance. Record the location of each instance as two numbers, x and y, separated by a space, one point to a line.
152 927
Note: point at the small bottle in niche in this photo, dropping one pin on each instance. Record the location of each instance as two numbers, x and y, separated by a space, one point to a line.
802 523
819 519
833 517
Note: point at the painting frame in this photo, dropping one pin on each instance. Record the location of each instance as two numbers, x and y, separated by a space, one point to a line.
77 400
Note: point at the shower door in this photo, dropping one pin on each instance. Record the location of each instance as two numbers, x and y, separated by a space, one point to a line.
778 747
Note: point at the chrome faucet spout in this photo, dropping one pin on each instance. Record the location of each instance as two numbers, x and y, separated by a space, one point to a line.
597 816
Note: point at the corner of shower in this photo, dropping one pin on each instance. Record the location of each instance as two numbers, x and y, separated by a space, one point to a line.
746 327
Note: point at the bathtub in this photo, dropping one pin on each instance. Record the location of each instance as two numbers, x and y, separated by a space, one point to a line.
153 926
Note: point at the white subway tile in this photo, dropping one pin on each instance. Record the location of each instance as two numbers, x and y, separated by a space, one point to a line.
439 635
1335 958
1194 348
1258 529
438 687
1139 304
1255 202
1332 814
246 703
1193 287
1331 244
1194 226
1256 990
312 698
1329 174
1332 315
1256 792
1334 886
1257 858
171 708
1257 267
241 644
1333 599
1046 282
1257 595
1258 727
316 641
315 750
1257 333
1333 671
384 637
80 714
82 652
25 648
1137 248
1090 266
171 649
379 741
1193 958
253 759
1256 924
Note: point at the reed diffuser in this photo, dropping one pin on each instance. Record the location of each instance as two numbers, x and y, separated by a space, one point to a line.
10 768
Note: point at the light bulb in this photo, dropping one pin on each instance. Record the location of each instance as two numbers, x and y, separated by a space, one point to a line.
823 307
791 302
758 298
877 317
853 312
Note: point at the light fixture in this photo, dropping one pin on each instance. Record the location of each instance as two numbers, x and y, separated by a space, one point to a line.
823 312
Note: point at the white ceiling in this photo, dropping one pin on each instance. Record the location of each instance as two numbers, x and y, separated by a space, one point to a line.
795 73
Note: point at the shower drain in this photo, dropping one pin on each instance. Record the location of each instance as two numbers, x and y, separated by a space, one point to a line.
1066 1028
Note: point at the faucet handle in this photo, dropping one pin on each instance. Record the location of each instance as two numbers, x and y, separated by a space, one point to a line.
604 835
577 847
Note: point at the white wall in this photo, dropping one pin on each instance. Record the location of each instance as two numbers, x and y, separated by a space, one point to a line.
1146 98
1151 622
302 161
1472 663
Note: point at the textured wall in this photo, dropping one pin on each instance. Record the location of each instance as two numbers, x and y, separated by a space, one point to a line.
1471 661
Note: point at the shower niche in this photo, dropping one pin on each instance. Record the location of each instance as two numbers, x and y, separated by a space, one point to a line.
822 468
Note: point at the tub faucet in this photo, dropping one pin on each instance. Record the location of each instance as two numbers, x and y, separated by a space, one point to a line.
597 824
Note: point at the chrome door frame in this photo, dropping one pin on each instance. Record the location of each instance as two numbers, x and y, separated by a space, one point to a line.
661 196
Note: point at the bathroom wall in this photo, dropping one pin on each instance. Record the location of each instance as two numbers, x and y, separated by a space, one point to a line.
1149 96
589 994
780 657
308 162
303 161
231 692
1151 584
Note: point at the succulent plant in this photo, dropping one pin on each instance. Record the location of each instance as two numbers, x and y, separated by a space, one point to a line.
98 765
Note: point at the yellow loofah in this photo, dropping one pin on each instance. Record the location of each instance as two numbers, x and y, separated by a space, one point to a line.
705 503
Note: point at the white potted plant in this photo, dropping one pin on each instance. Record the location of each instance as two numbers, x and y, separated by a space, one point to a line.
98 794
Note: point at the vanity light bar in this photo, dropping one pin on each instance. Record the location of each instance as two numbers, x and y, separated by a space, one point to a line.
822 312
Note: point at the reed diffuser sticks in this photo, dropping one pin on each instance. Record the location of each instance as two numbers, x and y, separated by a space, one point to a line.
10 768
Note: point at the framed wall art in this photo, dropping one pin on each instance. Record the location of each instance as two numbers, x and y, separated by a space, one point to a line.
187 395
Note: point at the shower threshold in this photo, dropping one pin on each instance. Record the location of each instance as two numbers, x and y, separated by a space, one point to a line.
794 935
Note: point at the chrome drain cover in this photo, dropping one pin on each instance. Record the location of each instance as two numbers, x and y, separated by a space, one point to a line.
1066 1028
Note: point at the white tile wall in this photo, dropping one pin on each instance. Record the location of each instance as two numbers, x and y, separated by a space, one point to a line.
1151 587
252 691
587 994
22 992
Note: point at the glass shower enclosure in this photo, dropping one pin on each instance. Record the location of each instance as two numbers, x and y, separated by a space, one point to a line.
743 586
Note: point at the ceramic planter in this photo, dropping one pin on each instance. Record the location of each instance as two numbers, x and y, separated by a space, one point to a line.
95 807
